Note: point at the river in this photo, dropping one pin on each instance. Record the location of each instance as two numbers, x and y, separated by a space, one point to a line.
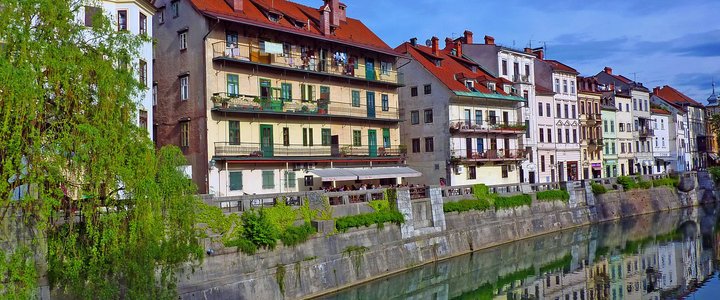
666 255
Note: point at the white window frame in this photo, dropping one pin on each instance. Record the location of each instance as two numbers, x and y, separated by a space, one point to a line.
184 87
183 40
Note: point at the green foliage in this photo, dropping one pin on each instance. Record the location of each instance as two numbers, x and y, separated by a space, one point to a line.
485 291
512 201
645 185
306 212
281 216
514 276
627 182
553 195
258 229
217 222
243 245
466 205
379 218
326 213
280 277
355 254
481 191
715 174
379 205
562 263
598 189
295 235
671 182
114 218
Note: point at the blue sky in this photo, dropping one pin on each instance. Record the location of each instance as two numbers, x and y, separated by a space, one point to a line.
656 42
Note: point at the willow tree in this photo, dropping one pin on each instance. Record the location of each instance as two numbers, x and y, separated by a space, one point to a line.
84 200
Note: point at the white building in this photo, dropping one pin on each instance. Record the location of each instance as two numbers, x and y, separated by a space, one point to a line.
625 139
134 16
661 139
694 121
680 158
546 151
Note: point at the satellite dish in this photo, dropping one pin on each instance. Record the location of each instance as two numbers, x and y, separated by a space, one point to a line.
428 43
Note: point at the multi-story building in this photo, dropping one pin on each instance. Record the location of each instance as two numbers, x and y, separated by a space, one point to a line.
678 131
695 122
625 140
609 134
274 96
133 16
546 150
591 138
561 79
461 122
661 139
516 67
711 109
641 161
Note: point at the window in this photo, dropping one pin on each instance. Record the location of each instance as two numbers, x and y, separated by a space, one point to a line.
612 126
622 147
385 102
567 115
429 146
307 92
504 67
325 93
234 132
542 135
540 109
558 110
527 128
428 116
355 98
307 136
559 135
478 117
183 40
290 179
233 85
414 117
90 13
572 87
527 71
605 125
573 111
622 127
184 134
472 172
143 119
627 106
547 109
309 180
427 89
385 68
413 91
552 159
357 138
549 135
184 88
557 85
154 94
161 15
575 136
286 136
122 20
416 145
143 24
175 7
582 107
386 137
565 86
646 106
504 171
542 163
268 180
619 106
635 106
142 66
325 136
236 179
567 135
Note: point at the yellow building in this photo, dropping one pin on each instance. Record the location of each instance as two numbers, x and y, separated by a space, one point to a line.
289 96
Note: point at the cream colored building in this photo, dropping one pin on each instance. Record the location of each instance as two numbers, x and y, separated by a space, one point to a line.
625 140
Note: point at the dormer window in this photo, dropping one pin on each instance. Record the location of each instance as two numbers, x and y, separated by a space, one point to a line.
474 69
299 24
470 85
274 17
437 63
491 86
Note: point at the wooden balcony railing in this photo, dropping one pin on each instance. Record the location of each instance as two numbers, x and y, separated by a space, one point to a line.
487 126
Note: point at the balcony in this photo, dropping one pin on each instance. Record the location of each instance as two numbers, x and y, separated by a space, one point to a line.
302 59
590 120
646 132
489 126
595 144
491 155
258 150
320 108
518 78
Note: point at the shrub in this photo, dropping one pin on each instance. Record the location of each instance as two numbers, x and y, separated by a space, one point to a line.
467 205
645 184
671 182
481 191
379 205
342 224
295 235
258 230
281 216
306 212
598 189
243 245
512 201
715 173
628 183
553 195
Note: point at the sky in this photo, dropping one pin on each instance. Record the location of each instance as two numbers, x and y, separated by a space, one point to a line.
655 42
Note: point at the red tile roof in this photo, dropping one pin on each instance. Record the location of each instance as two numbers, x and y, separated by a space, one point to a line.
675 97
451 69
558 66
659 111
540 90
351 31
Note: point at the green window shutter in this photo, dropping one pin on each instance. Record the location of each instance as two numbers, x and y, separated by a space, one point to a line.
310 137
234 132
356 98
290 179
233 85
305 140
325 135
357 138
268 179
236 181
386 137
303 95
286 93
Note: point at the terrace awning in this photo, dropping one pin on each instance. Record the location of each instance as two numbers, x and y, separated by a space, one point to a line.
340 174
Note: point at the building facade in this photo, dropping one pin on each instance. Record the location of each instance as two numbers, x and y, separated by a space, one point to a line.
711 109
692 121
661 139
591 127
462 123
276 97
608 112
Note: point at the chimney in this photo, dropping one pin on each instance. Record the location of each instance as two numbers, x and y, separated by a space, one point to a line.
435 40
656 90
608 70
528 50
539 52
489 40
236 5
342 14
334 12
325 19
458 48
468 37
413 41
449 44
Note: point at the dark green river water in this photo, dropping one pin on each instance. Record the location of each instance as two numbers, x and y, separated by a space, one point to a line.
672 255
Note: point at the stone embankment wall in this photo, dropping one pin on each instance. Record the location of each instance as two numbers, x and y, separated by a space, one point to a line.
324 264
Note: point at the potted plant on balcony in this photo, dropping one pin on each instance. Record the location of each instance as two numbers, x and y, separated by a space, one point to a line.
217 99
344 151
